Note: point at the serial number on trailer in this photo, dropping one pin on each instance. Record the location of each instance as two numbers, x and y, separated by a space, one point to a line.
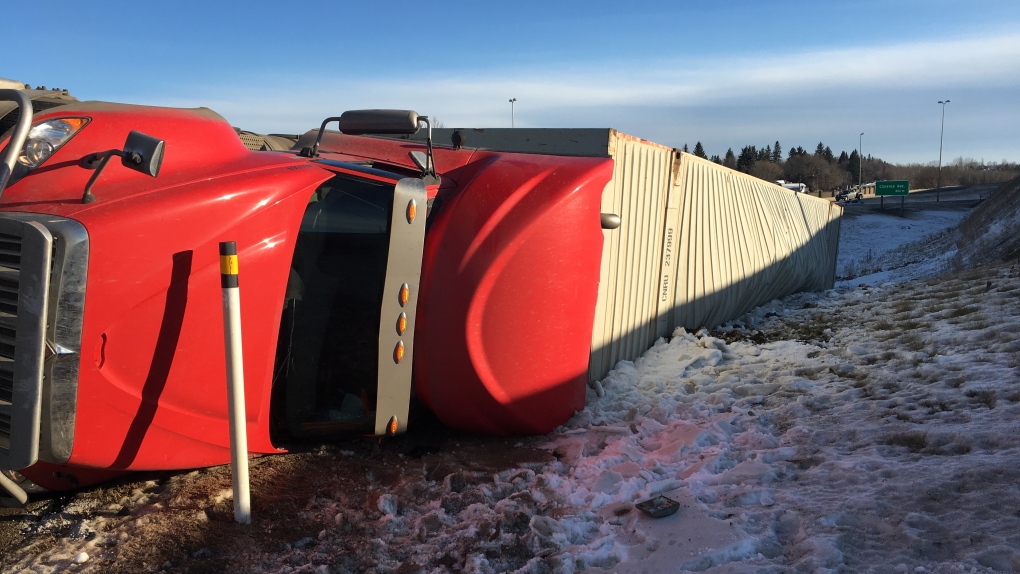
667 261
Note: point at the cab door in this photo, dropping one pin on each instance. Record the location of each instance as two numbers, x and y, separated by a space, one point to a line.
346 338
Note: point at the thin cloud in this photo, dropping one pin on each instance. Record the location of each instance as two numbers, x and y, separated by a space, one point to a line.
601 94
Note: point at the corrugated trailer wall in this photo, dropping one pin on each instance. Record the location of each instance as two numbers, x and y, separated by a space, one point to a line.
743 242
625 317
699 244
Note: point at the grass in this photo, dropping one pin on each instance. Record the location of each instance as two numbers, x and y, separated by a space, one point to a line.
891 387
960 312
912 341
978 324
947 291
1008 331
983 396
903 306
884 336
920 441
955 382
866 265
912 325
1013 361
934 405
913 440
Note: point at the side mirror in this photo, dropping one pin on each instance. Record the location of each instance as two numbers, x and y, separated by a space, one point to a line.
397 122
361 122
142 153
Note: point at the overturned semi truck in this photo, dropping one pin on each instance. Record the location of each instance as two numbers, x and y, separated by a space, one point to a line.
485 275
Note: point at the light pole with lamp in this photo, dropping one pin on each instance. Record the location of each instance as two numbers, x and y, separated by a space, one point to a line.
512 100
860 162
938 188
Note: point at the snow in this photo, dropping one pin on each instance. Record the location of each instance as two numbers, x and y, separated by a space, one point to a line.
874 427
876 249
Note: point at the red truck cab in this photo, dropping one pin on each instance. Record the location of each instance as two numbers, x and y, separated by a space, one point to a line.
373 273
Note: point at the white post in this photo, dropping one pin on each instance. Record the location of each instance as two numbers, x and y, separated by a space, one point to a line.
235 381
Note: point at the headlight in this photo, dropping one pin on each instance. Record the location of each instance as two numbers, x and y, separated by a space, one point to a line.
46 138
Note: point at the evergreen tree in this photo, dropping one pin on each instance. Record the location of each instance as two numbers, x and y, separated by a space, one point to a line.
777 153
685 148
748 155
853 166
820 150
699 150
730 160
843 158
827 154
716 159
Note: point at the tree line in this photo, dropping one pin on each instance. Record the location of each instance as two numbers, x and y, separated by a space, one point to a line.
823 170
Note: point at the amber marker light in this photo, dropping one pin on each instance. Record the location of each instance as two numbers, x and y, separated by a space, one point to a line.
401 323
405 294
412 211
391 428
398 353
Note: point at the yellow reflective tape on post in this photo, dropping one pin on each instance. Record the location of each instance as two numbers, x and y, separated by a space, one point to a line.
228 271
228 264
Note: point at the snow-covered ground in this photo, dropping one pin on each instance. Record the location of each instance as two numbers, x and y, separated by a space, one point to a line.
879 248
869 428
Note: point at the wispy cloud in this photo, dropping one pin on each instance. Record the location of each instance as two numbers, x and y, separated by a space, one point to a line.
577 95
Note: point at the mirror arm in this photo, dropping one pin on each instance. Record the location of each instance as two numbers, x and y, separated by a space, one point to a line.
429 169
89 162
314 150
428 146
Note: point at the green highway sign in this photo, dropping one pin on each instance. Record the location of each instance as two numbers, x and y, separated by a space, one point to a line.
894 187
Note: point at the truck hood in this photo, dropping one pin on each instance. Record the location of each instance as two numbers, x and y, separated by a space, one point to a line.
200 145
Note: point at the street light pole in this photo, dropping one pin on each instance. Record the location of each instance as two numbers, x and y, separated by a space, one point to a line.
860 162
938 189
512 100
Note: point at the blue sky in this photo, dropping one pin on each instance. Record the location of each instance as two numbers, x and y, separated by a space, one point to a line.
727 74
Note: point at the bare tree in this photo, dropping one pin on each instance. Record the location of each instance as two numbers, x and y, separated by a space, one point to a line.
766 170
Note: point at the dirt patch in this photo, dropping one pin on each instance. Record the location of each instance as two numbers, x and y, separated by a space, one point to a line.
184 522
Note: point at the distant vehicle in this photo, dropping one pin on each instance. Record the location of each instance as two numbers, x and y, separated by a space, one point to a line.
798 187
853 193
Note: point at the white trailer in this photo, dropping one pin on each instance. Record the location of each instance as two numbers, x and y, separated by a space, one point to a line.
698 244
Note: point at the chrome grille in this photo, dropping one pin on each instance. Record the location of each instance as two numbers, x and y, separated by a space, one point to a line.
10 265
10 273
25 256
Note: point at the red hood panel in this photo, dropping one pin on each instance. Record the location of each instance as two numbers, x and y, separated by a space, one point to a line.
200 145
